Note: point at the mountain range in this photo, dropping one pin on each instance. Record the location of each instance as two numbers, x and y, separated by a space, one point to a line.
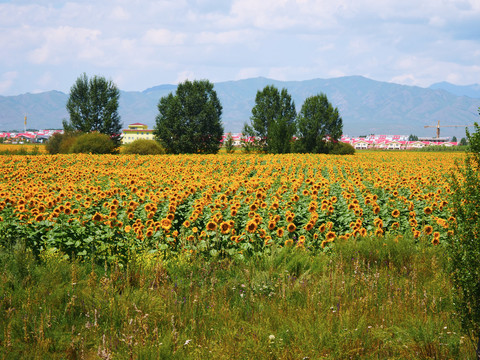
366 106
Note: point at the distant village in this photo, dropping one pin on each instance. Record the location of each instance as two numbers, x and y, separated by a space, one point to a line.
141 131
385 142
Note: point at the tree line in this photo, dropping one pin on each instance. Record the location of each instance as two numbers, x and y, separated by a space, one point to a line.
189 121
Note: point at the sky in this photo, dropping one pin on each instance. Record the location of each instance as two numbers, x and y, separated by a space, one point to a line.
47 45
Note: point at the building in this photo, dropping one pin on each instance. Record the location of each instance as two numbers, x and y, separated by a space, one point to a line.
136 131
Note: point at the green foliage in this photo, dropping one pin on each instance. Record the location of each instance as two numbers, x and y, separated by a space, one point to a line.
413 137
454 139
464 247
190 121
144 147
341 148
441 148
93 106
272 121
61 143
94 143
318 125
463 141
229 148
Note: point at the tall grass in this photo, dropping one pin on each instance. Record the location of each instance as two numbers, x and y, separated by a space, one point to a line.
369 299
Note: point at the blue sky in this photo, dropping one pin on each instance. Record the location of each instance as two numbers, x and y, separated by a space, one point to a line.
46 45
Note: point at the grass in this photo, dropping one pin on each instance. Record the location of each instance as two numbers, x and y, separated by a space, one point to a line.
368 299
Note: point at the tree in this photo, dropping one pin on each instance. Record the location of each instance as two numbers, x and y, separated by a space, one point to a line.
454 139
463 248
319 125
190 120
463 141
272 121
93 106
229 147
413 137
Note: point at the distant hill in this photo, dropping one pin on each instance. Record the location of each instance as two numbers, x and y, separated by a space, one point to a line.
472 91
366 106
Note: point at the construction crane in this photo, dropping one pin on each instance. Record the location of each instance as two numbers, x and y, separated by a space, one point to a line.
438 127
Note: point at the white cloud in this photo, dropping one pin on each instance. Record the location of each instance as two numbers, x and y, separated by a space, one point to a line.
59 45
163 37
226 37
7 80
185 75
120 14
408 40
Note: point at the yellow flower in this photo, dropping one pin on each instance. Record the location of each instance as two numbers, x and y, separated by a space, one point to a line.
428 229
291 227
289 243
211 226
251 226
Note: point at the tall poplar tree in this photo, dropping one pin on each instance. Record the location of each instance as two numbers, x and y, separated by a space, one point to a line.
93 106
273 121
319 125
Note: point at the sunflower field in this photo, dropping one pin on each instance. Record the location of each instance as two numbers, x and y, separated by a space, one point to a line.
221 205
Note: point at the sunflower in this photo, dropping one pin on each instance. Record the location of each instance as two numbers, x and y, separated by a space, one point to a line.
211 226
309 226
378 232
271 225
267 241
186 223
280 232
427 210
322 228
166 224
428 229
395 225
435 241
224 227
291 227
128 228
330 236
39 218
396 213
97 217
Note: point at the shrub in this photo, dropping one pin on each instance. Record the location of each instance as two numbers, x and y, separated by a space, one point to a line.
94 143
61 143
144 147
464 247
341 148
